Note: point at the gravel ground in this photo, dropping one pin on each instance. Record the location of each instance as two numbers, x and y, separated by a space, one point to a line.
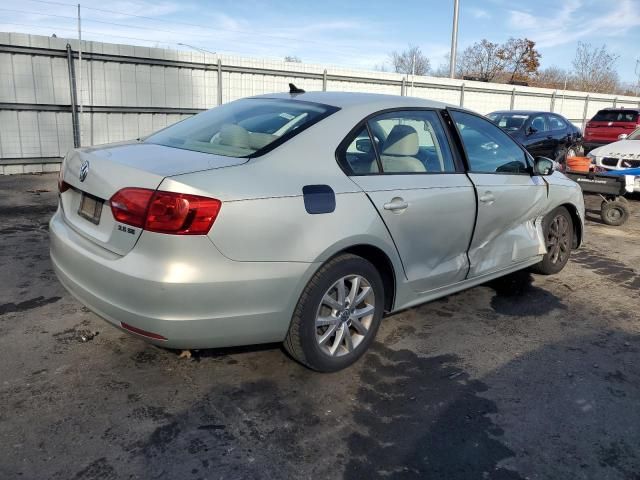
531 377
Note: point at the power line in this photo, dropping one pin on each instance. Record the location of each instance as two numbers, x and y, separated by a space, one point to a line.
208 36
52 28
188 24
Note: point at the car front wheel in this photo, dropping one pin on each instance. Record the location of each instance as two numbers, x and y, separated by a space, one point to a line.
558 234
338 314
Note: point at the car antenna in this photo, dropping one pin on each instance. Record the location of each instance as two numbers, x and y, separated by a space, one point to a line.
293 89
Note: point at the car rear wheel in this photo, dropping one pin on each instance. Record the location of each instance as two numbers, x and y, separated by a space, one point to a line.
558 234
338 314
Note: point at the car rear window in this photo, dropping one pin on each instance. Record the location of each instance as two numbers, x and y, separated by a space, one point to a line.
243 128
616 116
508 121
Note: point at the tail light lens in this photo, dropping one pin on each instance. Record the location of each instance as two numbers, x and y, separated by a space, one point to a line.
129 205
62 185
165 212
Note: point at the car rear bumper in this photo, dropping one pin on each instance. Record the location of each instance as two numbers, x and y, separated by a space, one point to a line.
179 287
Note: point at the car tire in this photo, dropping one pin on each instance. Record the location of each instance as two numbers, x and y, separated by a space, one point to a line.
560 156
614 213
558 234
328 330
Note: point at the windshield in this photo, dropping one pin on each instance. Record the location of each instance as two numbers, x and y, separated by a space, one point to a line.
243 127
615 116
635 135
508 121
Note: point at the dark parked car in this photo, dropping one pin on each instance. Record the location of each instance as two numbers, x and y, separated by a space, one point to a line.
543 134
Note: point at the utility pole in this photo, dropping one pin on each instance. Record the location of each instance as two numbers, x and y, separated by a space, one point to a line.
80 74
637 70
454 40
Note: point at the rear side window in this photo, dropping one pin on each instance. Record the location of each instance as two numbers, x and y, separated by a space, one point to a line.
411 141
488 148
242 128
616 116
556 123
407 141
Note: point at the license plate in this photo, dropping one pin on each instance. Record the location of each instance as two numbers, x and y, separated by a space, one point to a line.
90 208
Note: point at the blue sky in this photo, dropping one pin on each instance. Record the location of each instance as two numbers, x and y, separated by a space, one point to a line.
354 33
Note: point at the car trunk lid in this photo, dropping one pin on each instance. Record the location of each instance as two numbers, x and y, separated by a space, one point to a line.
107 170
606 125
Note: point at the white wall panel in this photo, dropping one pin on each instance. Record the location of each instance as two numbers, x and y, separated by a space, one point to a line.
23 78
128 85
29 134
10 134
43 80
48 134
60 74
7 84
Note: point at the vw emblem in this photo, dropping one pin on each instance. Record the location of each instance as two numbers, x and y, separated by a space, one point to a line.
84 170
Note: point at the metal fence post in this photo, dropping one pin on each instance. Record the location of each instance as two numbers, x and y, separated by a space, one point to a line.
219 81
513 99
324 80
462 95
615 102
74 98
584 113
403 87
553 100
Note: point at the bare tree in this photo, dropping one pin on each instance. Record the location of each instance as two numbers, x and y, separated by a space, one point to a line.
410 61
292 59
483 60
521 59
594 69
553 77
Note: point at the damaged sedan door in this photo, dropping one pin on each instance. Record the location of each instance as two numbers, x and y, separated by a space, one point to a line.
427 203
511 200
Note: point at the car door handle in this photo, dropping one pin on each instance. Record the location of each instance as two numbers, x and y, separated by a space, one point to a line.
396 204
487 197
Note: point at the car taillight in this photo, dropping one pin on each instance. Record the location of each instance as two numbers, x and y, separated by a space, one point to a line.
165 212
62 185
129 205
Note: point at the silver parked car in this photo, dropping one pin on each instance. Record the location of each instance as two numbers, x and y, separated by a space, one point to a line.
303 218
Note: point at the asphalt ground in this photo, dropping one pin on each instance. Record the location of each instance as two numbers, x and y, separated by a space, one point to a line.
529 377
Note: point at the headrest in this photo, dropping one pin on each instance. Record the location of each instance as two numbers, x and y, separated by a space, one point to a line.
234 136
402 140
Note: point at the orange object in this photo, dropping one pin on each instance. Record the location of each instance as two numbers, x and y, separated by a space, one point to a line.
579 164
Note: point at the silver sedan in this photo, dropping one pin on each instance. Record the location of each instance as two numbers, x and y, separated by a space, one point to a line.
303 218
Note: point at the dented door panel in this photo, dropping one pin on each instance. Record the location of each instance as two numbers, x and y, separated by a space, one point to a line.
509 225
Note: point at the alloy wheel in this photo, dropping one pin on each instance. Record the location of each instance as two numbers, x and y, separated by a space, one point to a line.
558 237
345 315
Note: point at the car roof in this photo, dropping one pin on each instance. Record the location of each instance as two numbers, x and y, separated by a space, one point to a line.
523 112
620 109
345 100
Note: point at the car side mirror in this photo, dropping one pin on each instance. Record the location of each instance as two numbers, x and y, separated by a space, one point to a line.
364 145
531 130
622 136
543 166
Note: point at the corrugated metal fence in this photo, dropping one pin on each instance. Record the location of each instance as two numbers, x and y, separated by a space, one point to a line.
129 91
